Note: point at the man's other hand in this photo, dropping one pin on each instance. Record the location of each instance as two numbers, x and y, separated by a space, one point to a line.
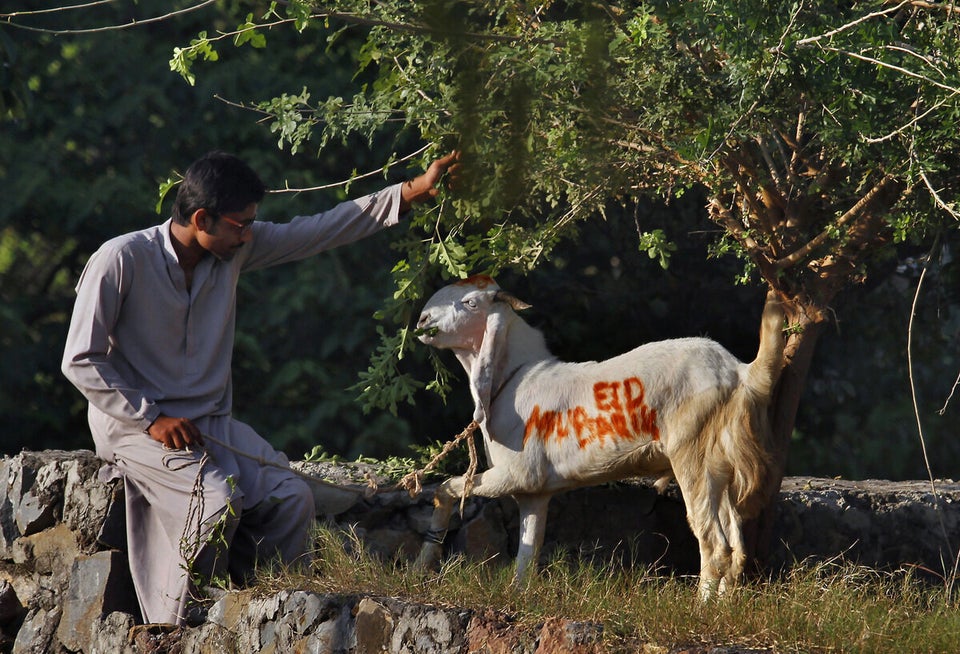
175 433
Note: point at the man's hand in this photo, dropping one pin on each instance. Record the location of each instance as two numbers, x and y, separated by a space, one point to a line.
175 433
424 187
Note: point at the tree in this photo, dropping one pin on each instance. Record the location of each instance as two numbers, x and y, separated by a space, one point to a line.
820 135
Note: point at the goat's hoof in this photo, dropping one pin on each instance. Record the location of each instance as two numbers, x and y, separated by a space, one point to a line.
428 560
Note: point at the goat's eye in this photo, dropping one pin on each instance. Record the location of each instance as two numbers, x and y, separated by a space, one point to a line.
470 302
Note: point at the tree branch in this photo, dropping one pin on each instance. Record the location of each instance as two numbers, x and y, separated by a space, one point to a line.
55 10
108 28
372 173
757 209
936 198
852 214
909 73
843 28
949 7
725 217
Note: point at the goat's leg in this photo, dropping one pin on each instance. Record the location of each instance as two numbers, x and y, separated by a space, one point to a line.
702 497
432 548
533 521
486 484
733 528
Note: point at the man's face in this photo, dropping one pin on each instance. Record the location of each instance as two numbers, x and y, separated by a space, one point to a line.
223 235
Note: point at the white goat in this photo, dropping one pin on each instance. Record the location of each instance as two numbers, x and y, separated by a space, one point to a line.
683 408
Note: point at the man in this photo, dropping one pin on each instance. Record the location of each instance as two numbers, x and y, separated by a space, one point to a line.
150 345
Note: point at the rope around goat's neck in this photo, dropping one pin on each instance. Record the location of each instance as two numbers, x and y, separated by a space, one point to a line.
413 482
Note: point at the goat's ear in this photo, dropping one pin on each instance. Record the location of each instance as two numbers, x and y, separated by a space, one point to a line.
489 362
515 304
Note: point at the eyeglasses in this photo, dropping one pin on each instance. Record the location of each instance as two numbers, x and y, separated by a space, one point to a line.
244 228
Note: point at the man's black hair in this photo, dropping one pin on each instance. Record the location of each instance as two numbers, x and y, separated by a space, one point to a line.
218 182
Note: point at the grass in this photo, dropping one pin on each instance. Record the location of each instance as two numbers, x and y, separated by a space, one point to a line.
820 607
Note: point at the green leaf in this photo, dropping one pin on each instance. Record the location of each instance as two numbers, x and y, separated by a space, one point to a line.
183 58
164 189
249 32
657 246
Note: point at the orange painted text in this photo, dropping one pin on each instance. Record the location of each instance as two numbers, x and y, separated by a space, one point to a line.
619 412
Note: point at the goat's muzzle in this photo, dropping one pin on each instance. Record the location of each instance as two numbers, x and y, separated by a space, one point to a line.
425 332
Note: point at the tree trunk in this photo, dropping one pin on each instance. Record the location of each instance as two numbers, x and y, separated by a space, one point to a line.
805 325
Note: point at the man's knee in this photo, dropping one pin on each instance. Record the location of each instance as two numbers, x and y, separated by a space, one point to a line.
297 496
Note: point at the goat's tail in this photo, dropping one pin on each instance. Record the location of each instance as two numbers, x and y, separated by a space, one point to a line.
748 449
764 371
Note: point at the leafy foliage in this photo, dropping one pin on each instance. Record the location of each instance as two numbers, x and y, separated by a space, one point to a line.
818 137
820 133
84 164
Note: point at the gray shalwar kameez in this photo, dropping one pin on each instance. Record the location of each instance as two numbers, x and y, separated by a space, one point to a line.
141 344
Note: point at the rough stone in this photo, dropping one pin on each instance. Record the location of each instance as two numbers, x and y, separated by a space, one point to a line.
156 639
484 537
111 634
61 562
10 606
19 479
209 638
99 585
48 552
561 635
42 503
36 635
329 499
374 626
87 501
492 633
228 610
333 631
112 533
428 630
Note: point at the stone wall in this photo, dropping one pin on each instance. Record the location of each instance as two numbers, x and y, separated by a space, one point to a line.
65 587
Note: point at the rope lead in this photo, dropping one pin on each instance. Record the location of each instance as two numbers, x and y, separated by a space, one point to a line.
413 481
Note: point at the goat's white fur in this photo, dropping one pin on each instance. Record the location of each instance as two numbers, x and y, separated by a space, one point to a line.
693 412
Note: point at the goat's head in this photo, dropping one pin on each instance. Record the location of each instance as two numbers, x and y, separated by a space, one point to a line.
470 315
456 315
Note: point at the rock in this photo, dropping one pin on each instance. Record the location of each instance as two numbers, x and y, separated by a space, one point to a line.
36 635
339 486
329 627
112 533
374 626
10 607
484 537
427 630
87 501
49 552
156 639
99 585
492 633
19 480
111 634
209 638
568 637
304 616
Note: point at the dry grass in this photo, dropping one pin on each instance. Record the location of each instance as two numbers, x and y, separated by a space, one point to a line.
823 607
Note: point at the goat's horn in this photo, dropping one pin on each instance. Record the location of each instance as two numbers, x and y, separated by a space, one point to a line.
515 304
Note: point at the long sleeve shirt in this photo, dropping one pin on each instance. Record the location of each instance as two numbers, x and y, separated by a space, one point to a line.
141 344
